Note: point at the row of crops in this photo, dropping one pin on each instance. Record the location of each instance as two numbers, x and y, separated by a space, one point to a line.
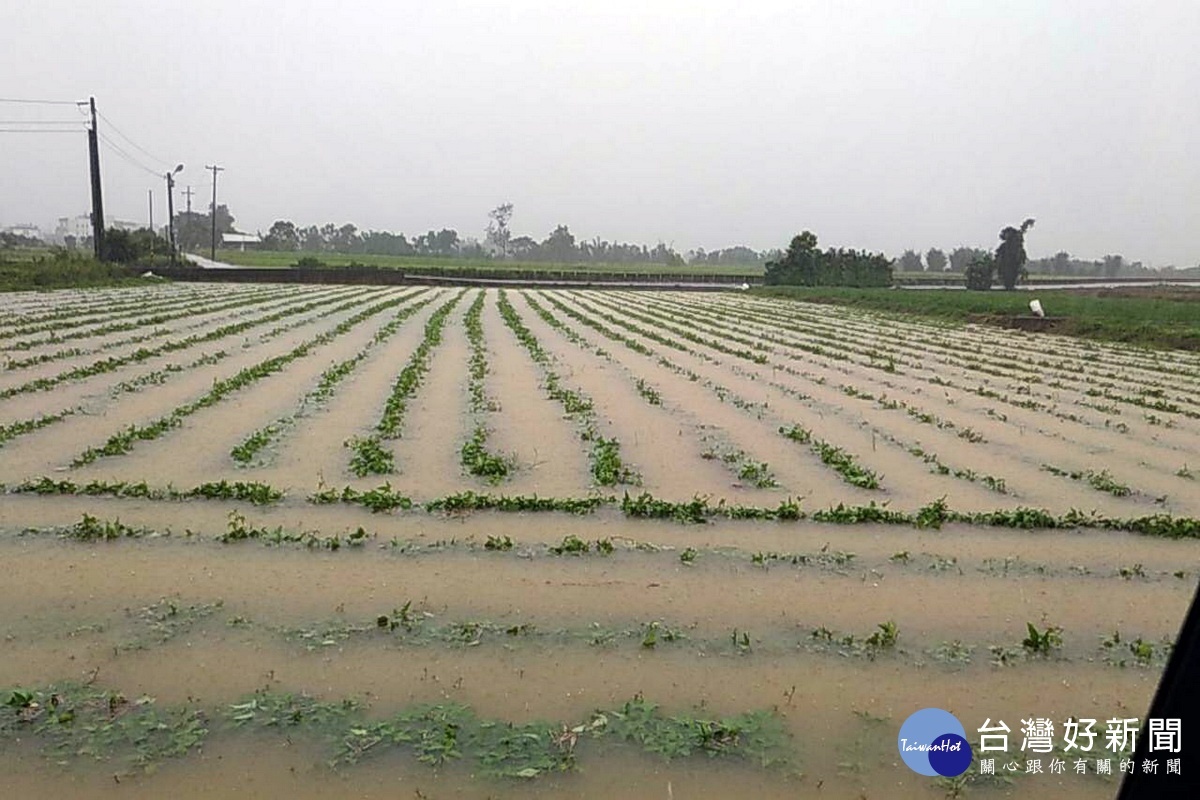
512 542
792 402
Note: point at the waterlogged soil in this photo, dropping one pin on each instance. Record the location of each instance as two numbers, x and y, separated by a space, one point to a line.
653 443
532 428
492 610
1015 449
89 624
203 436
427 452
315 453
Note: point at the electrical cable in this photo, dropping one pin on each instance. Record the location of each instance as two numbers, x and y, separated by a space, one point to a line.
36 130
116 149
135 145
40 102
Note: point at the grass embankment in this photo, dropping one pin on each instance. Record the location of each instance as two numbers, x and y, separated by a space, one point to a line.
60 272
275 258
1154 317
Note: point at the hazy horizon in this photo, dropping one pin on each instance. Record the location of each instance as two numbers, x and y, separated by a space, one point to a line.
696 124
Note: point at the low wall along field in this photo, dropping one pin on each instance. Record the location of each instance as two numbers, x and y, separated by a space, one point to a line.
485 542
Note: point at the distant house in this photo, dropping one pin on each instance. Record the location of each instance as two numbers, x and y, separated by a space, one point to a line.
72 231
241 240
24 229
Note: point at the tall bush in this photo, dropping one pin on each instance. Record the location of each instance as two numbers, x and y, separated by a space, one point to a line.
804 264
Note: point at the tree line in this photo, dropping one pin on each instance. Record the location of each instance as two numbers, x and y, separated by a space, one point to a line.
1061 263
559 246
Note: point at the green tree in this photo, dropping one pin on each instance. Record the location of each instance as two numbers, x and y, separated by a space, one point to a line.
1061 263
524 248
980 272
805 265
498 232
560 246
193 230
910 261
283 235
935 259
311 239
961 257
1113 264
798 265
1010 255
127 247
441 243
346 239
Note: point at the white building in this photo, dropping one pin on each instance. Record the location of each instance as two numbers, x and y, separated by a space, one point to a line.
27 229
240 240
78 228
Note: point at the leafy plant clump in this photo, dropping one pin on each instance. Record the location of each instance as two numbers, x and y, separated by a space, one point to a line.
1042 642
648 393
464 502
245 451
444 733
370 457
256 493
845 465
841 461
92 529
478 461
758 473
1101 481
21 427
797 433
71 720
607 467
380 499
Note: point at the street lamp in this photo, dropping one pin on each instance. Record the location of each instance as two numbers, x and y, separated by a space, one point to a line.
171 208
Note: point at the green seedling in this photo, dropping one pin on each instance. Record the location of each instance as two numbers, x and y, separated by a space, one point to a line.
1042 643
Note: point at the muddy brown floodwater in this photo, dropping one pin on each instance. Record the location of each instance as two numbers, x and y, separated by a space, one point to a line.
817 639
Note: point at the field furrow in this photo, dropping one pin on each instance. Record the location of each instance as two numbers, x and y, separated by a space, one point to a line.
546 542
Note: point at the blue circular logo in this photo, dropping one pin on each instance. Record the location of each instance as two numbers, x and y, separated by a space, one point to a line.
933 742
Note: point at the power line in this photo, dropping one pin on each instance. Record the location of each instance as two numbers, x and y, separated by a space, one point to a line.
40 102
41 122
115 148
130 159
135 145
38 130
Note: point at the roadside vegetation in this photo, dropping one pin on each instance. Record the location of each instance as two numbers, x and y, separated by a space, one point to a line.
62 269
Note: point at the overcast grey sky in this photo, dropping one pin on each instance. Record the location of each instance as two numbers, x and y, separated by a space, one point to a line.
882 125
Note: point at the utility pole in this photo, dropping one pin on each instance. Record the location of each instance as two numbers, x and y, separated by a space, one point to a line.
150 193
97 197
171 209
188 194
215 169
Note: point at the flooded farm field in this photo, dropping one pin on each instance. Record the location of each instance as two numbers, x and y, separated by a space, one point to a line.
379 542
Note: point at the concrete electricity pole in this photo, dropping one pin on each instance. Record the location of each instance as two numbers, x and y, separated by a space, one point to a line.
188 194
215 169
171 209
97 197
